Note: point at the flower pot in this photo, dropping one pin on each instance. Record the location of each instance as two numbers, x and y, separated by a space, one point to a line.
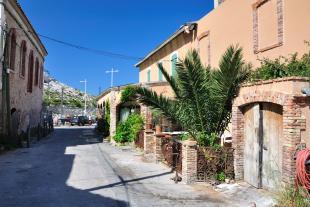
149 126
158 129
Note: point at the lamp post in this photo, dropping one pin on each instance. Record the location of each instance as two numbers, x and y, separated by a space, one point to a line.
85 101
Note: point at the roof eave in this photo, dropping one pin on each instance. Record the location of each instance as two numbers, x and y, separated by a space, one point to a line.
192 26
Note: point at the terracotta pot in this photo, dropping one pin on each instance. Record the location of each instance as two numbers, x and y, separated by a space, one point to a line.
149 126
158 129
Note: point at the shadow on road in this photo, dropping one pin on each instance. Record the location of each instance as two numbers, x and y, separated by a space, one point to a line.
125 182
38 176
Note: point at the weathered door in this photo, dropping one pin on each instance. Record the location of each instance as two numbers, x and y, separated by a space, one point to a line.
262 150
272 134
251 144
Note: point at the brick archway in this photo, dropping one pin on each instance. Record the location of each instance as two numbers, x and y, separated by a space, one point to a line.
293 124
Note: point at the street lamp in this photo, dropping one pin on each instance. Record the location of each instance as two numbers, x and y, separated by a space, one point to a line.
85 85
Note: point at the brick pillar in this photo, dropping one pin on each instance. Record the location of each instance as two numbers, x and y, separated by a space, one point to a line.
158 151
149 141
189 161
238 142
113 116
293 123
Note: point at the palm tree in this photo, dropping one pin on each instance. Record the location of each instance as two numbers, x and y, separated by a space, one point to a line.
203 97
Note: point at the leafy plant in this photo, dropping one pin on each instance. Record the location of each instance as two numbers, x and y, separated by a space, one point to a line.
156 117
127 94
283 67
203 97
104 122
221 176
127 131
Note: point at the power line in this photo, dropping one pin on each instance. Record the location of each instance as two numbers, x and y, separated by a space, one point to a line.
87 49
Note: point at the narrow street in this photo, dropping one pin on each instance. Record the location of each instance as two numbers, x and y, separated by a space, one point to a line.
70 168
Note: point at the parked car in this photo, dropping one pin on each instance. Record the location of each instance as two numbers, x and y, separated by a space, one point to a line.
79 120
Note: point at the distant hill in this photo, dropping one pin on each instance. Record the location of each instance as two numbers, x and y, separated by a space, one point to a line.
72 98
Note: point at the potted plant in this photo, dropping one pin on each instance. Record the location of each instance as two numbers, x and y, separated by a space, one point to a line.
156 119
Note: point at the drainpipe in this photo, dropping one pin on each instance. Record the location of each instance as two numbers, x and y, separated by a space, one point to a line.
3 73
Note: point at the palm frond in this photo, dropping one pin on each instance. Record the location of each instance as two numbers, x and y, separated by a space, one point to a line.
170 80
159 102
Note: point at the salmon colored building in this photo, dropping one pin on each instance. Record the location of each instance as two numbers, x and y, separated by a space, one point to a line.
263 28
270 119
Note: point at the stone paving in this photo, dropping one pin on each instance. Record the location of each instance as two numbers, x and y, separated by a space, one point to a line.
71 168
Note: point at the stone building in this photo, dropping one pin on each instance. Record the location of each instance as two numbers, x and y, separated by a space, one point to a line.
22 66
270 119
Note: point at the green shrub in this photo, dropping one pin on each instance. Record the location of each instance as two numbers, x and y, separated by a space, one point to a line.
127 94
221 176
127 131
283 67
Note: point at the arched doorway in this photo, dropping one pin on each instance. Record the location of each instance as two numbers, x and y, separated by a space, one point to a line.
263 131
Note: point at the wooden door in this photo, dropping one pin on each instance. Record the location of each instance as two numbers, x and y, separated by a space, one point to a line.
251 145
272 133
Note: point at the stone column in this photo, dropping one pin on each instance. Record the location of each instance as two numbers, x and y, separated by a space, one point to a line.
158 150
293 123
238 142
149 141
113 116
189 161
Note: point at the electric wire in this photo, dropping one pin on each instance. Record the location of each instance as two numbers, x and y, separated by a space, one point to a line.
83 48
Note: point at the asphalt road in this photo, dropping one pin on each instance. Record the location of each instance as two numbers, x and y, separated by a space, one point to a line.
70 168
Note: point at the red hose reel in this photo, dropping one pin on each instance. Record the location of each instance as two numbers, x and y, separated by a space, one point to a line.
302 177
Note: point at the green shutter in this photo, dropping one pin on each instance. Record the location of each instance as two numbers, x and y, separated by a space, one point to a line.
149 76
160 74
173 64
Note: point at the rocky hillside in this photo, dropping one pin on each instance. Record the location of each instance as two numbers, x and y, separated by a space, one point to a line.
72 98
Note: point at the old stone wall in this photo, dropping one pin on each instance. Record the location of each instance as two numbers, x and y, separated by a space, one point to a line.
285 92
28 104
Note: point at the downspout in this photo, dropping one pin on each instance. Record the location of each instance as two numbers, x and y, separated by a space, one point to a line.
3 72
6 72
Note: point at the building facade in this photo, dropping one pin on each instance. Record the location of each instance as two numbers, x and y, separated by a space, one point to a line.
263 28
271 119
22 68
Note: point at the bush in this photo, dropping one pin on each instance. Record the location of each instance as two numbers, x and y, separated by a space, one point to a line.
127 131
283 67
127 94
103 124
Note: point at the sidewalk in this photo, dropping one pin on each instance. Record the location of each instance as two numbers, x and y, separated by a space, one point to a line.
156 181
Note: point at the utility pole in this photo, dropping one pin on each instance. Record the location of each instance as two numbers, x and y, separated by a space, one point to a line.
85 101
112 74
62 101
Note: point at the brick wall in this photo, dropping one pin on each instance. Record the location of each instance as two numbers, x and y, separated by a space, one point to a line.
296 114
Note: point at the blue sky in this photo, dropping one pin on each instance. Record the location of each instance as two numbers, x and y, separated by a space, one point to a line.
129 27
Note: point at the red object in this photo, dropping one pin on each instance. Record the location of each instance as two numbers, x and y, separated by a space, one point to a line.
302 176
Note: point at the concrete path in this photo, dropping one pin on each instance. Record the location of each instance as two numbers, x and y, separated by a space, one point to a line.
71 168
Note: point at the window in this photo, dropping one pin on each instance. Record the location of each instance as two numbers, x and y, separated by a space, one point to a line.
149 76
23 51
174 59
36 77
41 77
160 74
30 73
12 50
